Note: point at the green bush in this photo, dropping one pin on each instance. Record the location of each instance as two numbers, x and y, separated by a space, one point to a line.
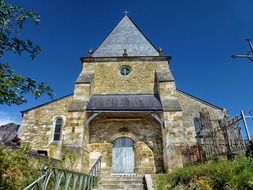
17 169
249 151
220 175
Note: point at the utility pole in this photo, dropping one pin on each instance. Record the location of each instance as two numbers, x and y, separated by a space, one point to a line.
245 124
248 55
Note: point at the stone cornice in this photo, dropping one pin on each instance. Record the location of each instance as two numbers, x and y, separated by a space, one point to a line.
125 58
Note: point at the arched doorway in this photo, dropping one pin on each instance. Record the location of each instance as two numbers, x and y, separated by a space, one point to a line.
123 155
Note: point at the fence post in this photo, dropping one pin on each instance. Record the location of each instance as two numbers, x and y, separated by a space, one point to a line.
227 144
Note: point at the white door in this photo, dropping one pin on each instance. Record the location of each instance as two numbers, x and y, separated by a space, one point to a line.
123 156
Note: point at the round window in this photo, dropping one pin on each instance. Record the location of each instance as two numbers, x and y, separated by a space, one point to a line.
125 70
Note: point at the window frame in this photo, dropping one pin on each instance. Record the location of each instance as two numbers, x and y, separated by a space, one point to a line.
198 128
57 129
126 68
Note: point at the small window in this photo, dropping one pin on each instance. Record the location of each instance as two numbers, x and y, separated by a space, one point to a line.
125 70
197 124
57 129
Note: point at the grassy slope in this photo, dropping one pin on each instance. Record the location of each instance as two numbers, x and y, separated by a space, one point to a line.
237 174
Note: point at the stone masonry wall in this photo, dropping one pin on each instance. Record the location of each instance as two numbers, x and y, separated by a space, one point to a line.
144 159
108 80
38 124
180 130
173 139
96 150
38 129
191 108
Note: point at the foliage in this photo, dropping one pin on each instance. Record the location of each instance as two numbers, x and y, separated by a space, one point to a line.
220 175
17 169
13 87
249 151
161 182
68 160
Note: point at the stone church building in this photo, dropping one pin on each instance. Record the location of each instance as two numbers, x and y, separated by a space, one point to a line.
125 107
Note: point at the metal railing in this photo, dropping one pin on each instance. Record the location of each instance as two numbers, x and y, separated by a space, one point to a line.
55 178
225 139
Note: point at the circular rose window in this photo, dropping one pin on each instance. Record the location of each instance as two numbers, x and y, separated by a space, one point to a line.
125 70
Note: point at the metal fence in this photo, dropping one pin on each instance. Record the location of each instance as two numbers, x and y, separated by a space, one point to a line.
55 178
212 143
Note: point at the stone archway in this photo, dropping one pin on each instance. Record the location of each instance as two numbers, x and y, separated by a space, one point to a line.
141 128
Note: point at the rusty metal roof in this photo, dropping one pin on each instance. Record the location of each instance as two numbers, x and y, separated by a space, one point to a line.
128 102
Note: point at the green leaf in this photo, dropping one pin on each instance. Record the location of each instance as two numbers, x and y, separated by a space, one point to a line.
13 87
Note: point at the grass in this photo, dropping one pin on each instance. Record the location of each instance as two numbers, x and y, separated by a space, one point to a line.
217 175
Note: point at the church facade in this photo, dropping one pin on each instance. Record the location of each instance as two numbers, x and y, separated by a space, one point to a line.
125 107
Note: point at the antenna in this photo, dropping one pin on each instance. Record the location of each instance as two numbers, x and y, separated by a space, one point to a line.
248 55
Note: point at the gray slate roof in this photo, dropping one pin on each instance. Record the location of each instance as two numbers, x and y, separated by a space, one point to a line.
125 35
129 102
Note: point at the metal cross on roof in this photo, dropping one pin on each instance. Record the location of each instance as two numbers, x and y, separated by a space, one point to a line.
249 55
126 12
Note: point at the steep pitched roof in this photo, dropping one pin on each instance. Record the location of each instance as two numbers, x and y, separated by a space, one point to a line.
125 35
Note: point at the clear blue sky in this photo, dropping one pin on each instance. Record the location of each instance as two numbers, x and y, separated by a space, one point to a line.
200 35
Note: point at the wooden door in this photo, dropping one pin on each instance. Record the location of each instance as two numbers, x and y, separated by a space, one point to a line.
123 156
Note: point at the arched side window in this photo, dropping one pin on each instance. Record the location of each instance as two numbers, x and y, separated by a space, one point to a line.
57 129
197 125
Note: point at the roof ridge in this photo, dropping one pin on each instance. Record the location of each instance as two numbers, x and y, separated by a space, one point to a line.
142 33
43 104
199 99
109 34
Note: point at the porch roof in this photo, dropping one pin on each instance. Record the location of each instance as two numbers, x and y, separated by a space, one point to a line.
124 103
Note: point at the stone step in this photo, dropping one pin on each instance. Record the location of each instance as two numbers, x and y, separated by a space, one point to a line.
122 175
122 179
102 182
121 186
99 188
125 175
114 182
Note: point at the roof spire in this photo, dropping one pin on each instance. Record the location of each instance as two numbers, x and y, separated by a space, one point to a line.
125 35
